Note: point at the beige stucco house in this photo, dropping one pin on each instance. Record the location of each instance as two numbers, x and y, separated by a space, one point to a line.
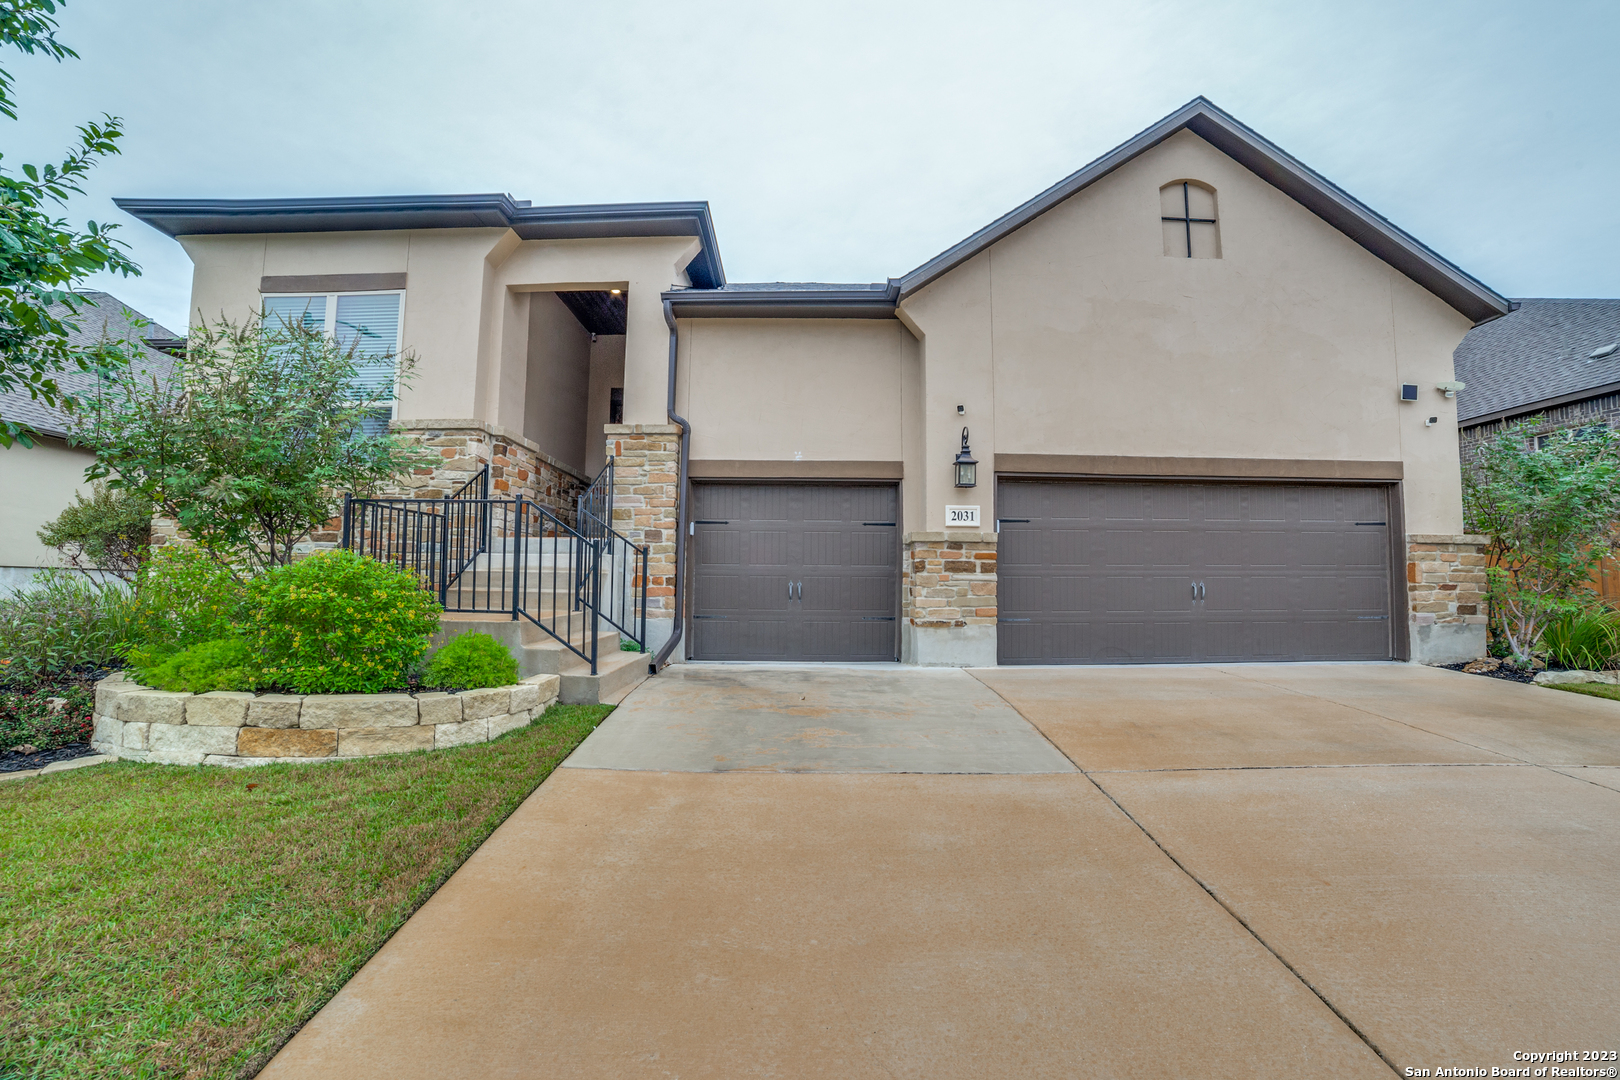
1203 389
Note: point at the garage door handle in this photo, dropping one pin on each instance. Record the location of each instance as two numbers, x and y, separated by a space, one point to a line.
1200 590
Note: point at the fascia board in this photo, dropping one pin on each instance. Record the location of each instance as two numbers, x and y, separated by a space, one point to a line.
1372 231
784 304
188 217
1515 412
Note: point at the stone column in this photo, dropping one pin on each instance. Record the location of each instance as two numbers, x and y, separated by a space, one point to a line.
1445 587
646 497
948 599
516 465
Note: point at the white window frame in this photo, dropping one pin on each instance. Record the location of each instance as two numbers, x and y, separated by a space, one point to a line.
330 329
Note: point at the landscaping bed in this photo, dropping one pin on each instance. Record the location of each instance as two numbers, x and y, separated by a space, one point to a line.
47 720
187 921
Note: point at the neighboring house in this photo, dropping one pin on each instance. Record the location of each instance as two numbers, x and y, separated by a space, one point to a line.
1180 372
1552 363
39 482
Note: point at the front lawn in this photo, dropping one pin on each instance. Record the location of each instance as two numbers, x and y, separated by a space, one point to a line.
1592 689
167 921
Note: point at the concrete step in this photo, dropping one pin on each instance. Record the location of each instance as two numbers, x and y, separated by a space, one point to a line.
616 675
537 652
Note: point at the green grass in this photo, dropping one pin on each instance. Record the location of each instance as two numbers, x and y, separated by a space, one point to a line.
1593 689
162 921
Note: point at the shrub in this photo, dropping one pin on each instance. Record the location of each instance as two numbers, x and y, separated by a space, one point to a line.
1587 639
63 623
338 622
47 718
111 530
183 597
226 664
472 662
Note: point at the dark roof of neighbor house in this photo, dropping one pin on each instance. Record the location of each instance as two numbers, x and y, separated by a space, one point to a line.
102 317
1546 353
201 217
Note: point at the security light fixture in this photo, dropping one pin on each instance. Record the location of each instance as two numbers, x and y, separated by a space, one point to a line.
967 470
1409 391
1431 421
1450 388
961 410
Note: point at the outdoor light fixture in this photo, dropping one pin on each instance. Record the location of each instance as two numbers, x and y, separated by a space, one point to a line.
967 470
615 292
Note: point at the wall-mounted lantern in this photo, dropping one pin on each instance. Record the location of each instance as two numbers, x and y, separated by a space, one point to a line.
967 470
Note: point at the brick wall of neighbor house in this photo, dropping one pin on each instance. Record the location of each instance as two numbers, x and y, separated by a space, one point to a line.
646 493
516 467
1445 588
1576 414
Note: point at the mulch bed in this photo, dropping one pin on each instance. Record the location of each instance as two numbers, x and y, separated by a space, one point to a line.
14 762
1503 671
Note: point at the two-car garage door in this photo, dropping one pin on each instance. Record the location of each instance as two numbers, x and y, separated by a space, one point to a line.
1108 572
1090 571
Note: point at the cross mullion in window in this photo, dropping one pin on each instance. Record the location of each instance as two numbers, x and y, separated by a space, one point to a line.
1186 217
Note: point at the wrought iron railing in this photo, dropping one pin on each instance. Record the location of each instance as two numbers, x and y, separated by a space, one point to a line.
511 556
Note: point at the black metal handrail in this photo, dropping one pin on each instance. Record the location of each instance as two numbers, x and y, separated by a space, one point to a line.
511 556
595 503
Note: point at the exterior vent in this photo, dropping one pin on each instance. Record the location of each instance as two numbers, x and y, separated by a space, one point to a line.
1607 350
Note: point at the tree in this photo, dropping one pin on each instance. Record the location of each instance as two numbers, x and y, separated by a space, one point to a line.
252 440
111 531
1551 517
42 257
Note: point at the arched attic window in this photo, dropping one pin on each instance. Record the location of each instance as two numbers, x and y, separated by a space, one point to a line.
1187 212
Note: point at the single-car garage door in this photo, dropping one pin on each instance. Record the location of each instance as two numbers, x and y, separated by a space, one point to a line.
1108 572
795 571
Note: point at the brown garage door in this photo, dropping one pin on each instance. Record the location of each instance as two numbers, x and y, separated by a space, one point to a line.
795 571
1108 572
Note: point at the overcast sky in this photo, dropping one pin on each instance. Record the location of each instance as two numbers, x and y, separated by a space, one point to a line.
843 142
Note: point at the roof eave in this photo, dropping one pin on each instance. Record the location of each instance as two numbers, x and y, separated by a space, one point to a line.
1372 231
784 304
191 217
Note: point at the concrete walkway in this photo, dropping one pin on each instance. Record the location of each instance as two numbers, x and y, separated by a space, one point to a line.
1324 870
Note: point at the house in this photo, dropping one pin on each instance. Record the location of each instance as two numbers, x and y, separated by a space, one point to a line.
37 483
1554 364
1188 388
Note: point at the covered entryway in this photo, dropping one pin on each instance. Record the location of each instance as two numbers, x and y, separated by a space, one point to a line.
1130 571
795 571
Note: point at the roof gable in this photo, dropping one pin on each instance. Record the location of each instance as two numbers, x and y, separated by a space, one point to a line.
1265 159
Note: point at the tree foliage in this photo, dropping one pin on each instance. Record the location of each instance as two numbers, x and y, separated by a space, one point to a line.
111 531
252 441
41 256
1551 517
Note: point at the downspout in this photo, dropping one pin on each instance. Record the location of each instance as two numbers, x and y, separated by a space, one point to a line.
681 500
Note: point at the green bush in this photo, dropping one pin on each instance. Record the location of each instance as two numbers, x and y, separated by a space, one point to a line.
62 623
1587 639
111 530
183 597
226 664
338 622
472 662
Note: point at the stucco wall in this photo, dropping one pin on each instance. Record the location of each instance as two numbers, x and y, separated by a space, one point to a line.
559 369
36 484
466 315
786 389
607 372
1077 335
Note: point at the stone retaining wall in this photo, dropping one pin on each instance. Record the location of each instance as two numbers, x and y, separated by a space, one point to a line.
227 728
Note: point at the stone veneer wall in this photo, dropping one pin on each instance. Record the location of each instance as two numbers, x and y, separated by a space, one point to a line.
1445 588
646 504
948 599
225 728
516 465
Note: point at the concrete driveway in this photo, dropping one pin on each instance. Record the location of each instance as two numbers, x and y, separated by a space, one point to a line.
1324 870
